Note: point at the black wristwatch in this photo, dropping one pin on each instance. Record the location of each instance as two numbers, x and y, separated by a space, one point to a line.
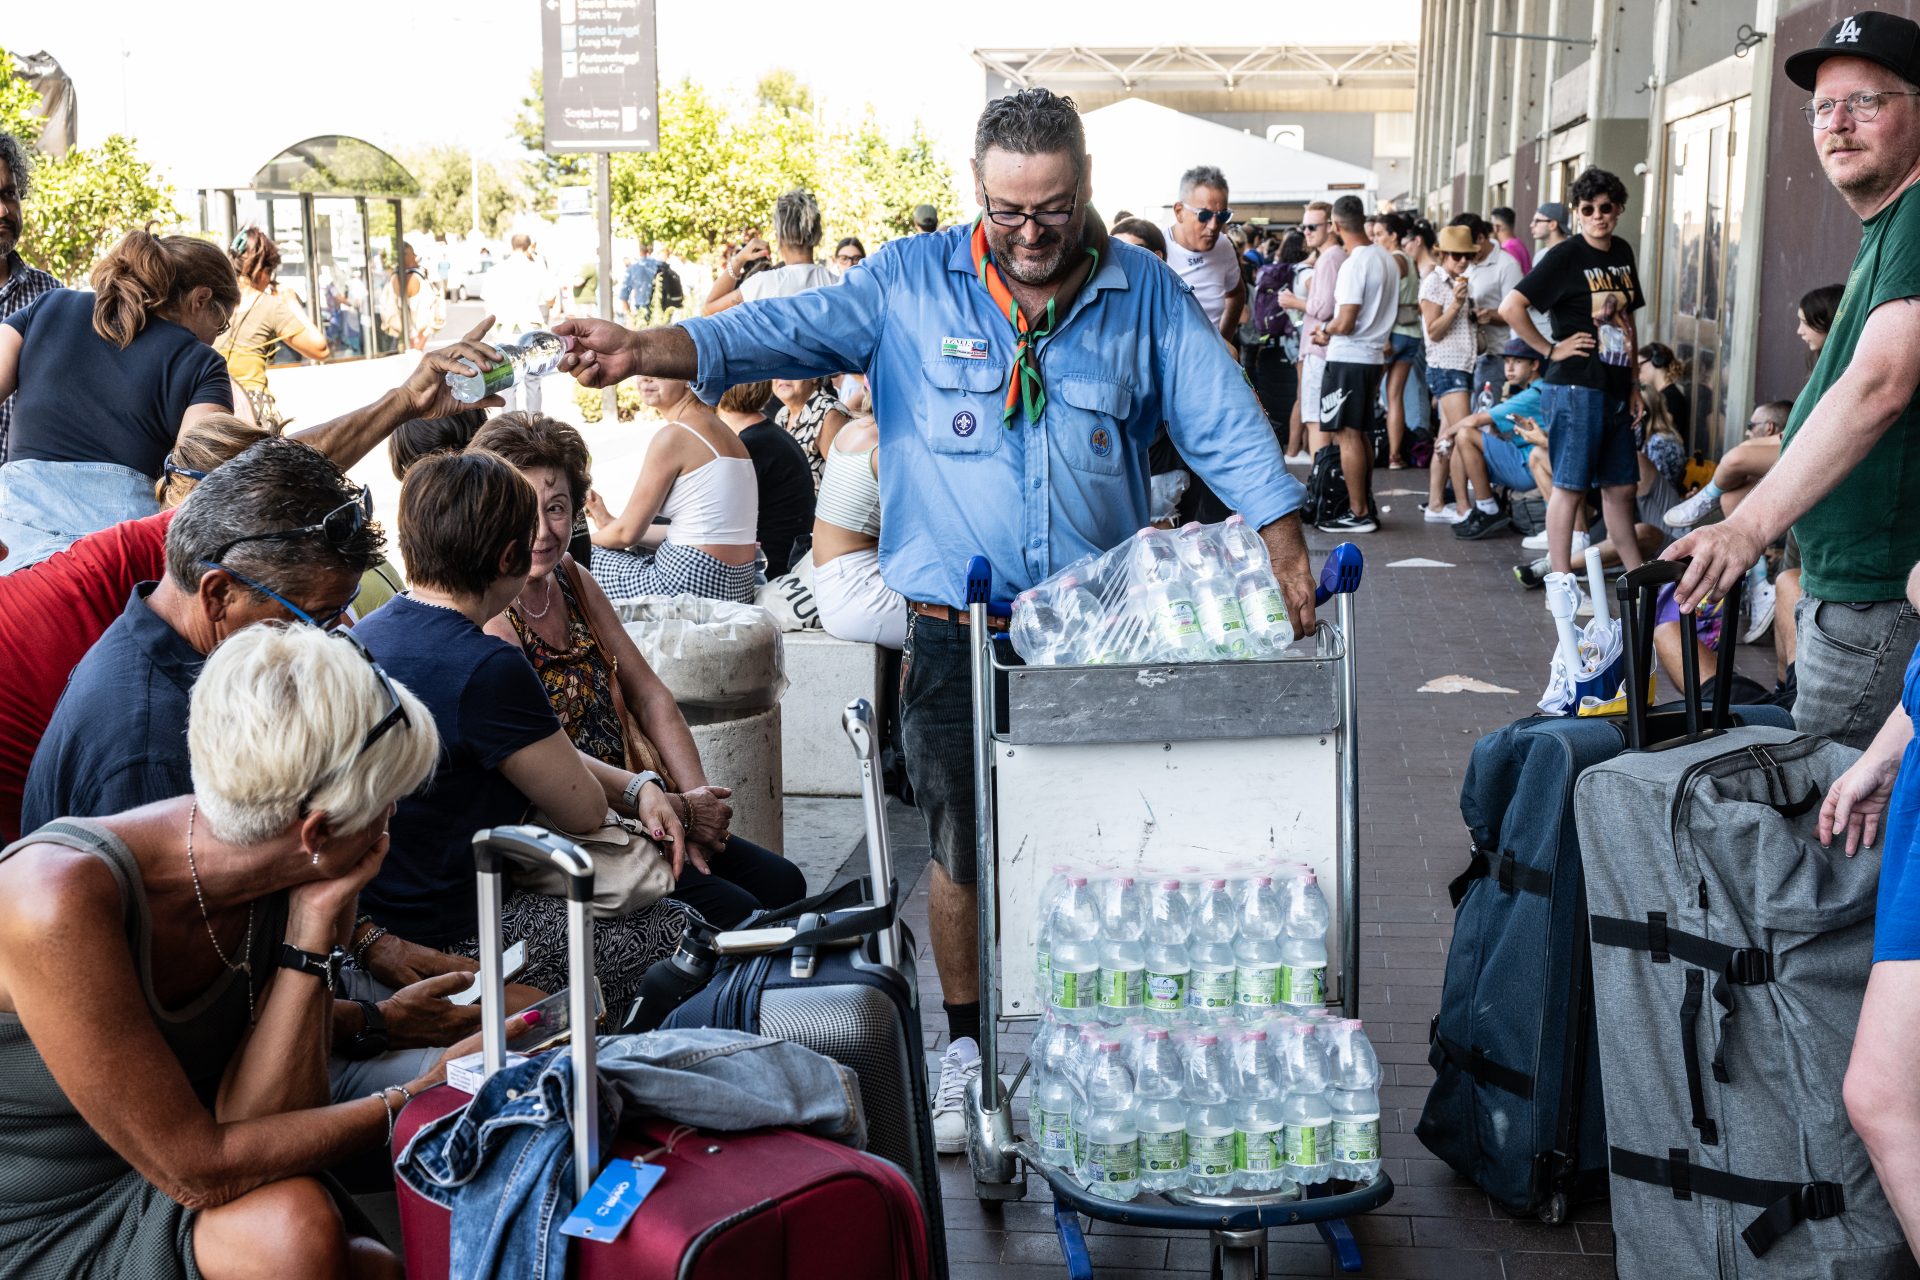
324 966
372 1041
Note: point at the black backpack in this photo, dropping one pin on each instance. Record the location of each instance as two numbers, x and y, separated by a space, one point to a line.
667 287
1326 488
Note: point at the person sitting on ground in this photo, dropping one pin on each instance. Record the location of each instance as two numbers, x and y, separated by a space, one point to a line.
1446 309
595 678
1740 468
810 414
163 985
780 468
264 319
700 476
1664 374
468 525
854 602
1489 449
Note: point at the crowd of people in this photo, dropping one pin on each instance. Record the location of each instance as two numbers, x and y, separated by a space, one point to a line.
242 748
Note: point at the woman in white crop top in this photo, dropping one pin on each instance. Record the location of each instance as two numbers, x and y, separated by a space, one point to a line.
698 475
854 603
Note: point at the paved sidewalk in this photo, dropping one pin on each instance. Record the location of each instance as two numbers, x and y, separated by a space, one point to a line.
1416 625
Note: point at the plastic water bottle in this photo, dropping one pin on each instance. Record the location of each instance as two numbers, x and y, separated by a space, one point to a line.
1165 598
1080 1056
1051 1106
1073 952
540 355
1217 604
1258 591
1303 955
1158 1113
1123 958
1191 882
1243 546
1038 629
1256 951
1050 894
523 363
1354 1102
1169 930
1309 1118
1208 1095
1258 1119
1210 959
1111 1166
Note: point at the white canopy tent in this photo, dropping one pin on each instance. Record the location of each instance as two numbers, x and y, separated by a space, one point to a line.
1140 149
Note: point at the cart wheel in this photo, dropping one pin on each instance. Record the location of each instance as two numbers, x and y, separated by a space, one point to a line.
1555 1211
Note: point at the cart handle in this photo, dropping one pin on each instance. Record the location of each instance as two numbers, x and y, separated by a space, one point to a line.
1341 573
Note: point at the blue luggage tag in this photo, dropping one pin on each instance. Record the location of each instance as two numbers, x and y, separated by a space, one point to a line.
612 1201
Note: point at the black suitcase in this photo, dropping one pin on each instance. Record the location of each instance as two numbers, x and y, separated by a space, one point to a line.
858 1004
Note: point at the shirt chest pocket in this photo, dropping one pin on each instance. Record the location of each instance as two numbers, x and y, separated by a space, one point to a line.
962 414
1087 418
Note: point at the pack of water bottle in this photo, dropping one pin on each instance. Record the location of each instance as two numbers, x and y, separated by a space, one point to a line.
1186 1042
1204 593
522 364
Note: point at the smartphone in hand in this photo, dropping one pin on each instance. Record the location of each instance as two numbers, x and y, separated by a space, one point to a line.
510 966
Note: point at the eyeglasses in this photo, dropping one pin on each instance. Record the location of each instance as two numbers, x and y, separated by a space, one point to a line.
1044 217
1204 216
326 621
169 469
337 528
1862 106
850 259
1537 218
1599 210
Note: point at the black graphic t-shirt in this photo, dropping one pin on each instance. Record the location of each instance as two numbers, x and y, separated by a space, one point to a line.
1587 290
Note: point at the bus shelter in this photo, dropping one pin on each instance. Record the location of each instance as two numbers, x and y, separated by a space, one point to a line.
333 206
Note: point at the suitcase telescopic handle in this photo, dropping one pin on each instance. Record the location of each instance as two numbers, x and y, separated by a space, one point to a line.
857 720
1638 589
528 846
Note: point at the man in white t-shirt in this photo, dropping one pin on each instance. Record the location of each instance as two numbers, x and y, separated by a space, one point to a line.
797 229
1493 274
519 290
1198 248
1365 299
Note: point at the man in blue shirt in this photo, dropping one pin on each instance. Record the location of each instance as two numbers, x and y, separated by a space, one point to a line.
635 294
1020 367
1490 449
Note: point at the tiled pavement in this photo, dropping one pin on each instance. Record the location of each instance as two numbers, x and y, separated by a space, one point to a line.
1415 625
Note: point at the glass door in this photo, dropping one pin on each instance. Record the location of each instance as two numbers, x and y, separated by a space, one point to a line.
1707 170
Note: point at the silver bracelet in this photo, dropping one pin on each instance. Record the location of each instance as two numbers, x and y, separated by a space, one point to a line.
386 1107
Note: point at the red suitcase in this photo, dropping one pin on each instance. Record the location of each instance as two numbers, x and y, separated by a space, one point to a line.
767 1203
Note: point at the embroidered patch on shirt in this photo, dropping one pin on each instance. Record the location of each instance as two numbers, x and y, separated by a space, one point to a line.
964 348
1102 441
964 423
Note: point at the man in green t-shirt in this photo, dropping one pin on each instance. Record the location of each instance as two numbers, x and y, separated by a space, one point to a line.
1848 479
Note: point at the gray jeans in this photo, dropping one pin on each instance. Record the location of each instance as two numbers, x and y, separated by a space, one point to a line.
358 1079
1851 665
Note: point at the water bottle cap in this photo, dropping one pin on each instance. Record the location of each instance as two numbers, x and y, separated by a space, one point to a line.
1191 524
1125 882
1264 882
1216 884
1236 518
1169 884
1078 882
1156 1033
1109 1046
1061 868
1206 1038
1257 1034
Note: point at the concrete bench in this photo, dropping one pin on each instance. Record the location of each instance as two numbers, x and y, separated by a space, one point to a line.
824 673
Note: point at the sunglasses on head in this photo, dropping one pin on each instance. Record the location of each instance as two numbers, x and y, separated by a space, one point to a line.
1600 210
1204 216
337 528
396 710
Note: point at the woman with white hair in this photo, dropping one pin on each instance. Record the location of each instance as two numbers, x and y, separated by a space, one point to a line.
165 999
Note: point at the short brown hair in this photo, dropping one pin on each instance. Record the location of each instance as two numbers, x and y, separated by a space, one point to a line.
530 440
747 397
459 512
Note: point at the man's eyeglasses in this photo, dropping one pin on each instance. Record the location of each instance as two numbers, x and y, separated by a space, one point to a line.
1013 218
1862 106
326 622
1600 210
337 528
1204 216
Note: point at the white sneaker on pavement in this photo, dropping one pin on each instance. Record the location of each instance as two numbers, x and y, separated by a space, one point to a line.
1693 510
1538 542
1302 459
1535 542
1760 604
1445 515
959 1066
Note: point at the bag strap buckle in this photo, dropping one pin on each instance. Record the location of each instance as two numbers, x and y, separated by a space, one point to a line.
1749 967
1820 1200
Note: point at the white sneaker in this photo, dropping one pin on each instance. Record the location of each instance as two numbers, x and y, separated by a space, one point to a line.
1760 602
1537 542
1299 459
1445 515
1692 511
959 1066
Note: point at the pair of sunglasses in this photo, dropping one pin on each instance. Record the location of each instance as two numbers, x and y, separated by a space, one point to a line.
1204 216
337 528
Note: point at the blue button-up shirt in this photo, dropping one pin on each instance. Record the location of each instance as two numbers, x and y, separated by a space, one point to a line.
1133 351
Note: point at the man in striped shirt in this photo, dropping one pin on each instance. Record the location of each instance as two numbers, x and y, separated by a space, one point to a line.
19 283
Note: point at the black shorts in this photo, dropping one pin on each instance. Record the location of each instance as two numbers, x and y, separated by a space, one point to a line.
1349 396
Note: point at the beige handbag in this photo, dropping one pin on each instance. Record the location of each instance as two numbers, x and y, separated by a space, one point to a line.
629 872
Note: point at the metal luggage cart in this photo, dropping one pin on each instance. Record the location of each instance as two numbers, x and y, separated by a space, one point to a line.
1199 767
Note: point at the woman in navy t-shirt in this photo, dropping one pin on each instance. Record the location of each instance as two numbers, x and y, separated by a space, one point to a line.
102 383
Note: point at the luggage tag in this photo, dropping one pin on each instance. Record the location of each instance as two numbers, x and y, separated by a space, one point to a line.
612 1201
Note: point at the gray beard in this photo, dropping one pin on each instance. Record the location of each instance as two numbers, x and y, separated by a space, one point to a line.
1049 269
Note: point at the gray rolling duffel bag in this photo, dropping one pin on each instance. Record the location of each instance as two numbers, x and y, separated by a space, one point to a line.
1730 956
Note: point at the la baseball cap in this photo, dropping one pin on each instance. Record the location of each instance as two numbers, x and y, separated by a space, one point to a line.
1885 38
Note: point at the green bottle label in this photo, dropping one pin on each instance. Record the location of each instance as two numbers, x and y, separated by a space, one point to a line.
1166 992
1256 986
1120 988
1072 990
1113 1162
1221 619
499 377
1056 1135
1256 1151
1210 1155
1179 622
1305 984
1264 607
1207 989
1163 1152
1307 1144
1357 1140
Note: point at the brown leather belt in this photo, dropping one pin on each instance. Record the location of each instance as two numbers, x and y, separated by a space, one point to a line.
959 617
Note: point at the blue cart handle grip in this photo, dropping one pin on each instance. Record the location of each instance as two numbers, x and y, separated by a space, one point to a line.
1341 573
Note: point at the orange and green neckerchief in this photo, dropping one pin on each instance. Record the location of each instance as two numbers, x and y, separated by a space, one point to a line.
1025 388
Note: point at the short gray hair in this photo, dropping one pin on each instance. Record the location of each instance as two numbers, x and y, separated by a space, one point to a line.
19 162
1032 122
796 220
278 724
1202 175
275 485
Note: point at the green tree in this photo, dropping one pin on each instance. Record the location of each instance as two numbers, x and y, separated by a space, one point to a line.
781 90
78 204
545 172
445 203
